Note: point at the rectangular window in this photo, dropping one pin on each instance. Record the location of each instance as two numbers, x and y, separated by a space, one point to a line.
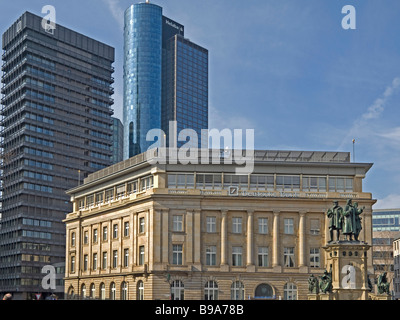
115 259
177 222
262 183
208 181
120 191
105 233
85 262
126 258
104 266
181 181
262 225
236 256
242 181
109 194
237 225
141 255
126 229
314 184
211 224
133 187
94 235
288 257
81 204
288 183
340 184
314 258
289 227
99 198
263 257
72 264
86 237
89 201
146 183
177 254
314 226
211 255
141 225
115 231
94 261
73 239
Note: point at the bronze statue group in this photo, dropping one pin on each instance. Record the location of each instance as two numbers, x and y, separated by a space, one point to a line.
347 220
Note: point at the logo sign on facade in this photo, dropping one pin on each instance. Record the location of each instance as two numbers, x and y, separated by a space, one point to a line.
233 191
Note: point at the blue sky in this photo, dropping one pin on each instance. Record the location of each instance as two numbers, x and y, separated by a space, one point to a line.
285 68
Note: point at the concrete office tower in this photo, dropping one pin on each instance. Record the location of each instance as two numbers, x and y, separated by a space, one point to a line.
56 129
118 141
165 79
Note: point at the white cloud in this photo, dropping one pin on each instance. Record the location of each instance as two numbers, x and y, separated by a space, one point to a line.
116 11
378 107
392 135
392 201
361 126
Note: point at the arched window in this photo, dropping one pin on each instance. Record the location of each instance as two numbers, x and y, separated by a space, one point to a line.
112 291
83 291
71 293
177 290
140 290
290 291
124 291
264 291
237 290
102 291
211 291
92 291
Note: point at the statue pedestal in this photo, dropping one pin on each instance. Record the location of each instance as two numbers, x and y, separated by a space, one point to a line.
326 296
348 262
313 296
381 297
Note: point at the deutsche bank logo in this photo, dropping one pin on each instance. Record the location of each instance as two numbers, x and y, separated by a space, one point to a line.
233 191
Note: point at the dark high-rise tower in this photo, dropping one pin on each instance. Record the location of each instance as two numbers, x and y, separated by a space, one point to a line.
165 78
56 128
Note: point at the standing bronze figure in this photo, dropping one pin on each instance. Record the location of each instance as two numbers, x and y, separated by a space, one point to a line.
335 220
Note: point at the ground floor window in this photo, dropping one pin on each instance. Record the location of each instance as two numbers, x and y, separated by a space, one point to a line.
237 290
177 290
211 291
290 291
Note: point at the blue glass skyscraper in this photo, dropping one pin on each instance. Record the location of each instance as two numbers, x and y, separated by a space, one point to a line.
165 79
142 75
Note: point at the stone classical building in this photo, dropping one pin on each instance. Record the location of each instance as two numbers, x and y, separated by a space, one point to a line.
199 231
396 258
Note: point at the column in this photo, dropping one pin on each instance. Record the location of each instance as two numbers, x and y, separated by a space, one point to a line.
197 238
165 235
132 239
275 240
302 239
150 239
135 239
157 236
250 247
189 237
224 238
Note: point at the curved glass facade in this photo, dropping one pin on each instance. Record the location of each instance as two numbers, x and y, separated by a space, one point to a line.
142 75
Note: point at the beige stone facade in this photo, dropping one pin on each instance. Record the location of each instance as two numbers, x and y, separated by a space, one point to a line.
198 231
